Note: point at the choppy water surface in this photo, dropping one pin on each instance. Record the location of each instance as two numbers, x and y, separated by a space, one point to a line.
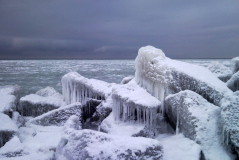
33 75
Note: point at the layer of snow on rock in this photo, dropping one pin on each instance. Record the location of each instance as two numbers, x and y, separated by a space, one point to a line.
126 80
221 71
233 82
177 147
76 88
7 124
235 64
120 128
58 117
161 76
8 97
83 144
199 120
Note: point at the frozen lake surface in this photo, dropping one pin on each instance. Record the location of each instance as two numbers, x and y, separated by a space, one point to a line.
33 75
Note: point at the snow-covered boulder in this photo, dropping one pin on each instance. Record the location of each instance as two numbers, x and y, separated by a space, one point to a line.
43 101
9 98
161 76
88 144
73 123
131 102
235 64
233 82
126 80
197 119
18 119
222 72
59 116
7 129
76 88
230 121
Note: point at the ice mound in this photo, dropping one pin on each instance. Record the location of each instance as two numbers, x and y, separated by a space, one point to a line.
76 88
126 80
59 116
233 82
43 101
197 119
161 76
131 102
9 98
7 129
87 144
235 64
229 118
222 72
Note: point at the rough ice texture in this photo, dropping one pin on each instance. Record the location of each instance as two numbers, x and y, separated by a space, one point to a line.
76 88
235 64
126 80
43 101
198 120
233 82
161 76
72 124
7 129
9 98
222 72
131 102
59 116
87 144
18 119
230 121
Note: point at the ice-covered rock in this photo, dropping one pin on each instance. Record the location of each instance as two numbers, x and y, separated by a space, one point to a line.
9 98
233 82
43 101
88 144
235 64
126 80
161 76
72 124
89 108
59 116
76 88
131 102
222 72
7 129
230 121
18 119
197 119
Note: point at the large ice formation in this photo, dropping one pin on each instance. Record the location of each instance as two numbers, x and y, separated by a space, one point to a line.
76 88
197 119
233 82
161 76
222 72
7 129
87 144
43 101
235 64
9 98
58 117
131 102
229 118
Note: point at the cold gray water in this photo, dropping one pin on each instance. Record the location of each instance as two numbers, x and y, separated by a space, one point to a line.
33 75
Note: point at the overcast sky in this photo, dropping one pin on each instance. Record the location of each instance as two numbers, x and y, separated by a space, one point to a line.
34 29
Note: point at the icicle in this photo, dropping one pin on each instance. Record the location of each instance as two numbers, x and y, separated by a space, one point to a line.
177 129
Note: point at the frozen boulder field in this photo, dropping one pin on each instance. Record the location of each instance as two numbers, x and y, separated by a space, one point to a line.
157 108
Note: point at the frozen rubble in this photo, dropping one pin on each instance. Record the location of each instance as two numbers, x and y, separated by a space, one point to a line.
43 101
221 71
9 98
233 82
230 121
161 76
7 129
76 88
131 102
88 144
198 120
58 117
235 64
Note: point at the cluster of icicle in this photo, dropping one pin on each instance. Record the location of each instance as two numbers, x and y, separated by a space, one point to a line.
75 91
133 112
